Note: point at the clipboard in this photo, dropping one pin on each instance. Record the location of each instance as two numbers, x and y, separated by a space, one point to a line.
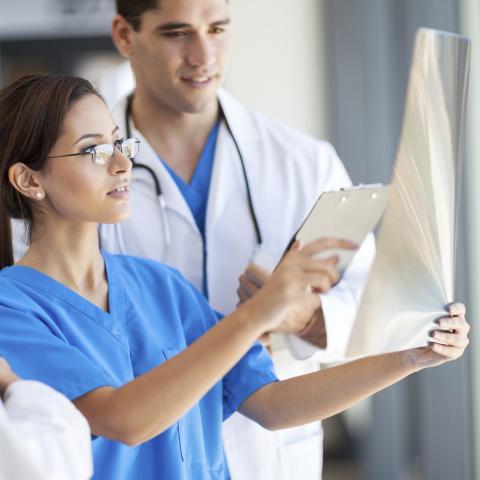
349 214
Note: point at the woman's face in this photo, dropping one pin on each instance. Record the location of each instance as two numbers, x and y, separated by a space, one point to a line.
75 188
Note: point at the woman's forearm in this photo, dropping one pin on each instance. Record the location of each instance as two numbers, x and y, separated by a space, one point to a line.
319 395
147 405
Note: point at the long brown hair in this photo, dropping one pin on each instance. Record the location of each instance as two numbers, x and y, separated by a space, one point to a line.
32 111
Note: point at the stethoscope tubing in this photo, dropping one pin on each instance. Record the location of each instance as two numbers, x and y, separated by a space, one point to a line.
158 186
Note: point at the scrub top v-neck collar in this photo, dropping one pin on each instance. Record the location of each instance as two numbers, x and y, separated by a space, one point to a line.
195 192
45 283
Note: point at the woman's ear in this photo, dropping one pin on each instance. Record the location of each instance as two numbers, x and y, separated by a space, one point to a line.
26 181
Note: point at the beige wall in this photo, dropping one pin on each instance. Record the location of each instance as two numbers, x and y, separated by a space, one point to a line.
277 60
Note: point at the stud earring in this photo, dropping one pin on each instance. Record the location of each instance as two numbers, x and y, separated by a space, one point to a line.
39 195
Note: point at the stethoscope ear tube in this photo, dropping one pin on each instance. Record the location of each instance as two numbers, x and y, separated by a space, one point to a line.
158 188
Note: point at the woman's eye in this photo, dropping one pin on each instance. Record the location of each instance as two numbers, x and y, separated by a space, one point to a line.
88 149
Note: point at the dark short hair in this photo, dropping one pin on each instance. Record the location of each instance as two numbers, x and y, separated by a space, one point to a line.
132 10
32 111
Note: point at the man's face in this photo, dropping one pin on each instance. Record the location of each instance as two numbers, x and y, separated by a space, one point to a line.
179 54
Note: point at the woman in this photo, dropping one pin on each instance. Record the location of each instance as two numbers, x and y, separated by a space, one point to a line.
41 433
136 348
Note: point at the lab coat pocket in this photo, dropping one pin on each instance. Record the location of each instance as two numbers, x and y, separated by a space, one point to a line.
300 452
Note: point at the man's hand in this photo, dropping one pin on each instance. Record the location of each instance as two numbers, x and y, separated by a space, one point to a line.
6 376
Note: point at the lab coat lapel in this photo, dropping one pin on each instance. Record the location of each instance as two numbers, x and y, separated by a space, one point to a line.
227 176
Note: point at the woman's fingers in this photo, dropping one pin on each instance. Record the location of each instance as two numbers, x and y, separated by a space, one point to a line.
322 244
451 339
330 271
457 324
456 309
447 351
296 245
319 282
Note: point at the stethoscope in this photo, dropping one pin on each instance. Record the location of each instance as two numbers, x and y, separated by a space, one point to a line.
158 186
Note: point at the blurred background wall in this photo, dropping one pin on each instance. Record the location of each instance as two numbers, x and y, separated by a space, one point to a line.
338 70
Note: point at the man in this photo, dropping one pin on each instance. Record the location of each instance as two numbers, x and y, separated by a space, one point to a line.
42 434
217 187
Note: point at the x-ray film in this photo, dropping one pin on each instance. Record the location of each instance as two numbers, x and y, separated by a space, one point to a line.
412 278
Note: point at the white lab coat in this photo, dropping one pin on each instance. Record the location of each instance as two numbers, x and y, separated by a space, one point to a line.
42 435
286 170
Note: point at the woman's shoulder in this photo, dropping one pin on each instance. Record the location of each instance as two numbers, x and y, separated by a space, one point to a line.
11 285
17 295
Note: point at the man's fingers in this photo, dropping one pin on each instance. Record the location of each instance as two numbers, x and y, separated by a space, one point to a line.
248 287
242 296
256 275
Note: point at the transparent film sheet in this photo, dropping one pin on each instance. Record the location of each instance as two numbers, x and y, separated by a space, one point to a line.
412 277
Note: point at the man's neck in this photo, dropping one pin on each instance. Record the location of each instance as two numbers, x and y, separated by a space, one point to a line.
177 137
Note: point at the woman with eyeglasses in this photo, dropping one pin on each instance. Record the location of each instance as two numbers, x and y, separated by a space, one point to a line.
137 348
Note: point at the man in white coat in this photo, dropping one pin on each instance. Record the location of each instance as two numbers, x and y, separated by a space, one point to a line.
217 187
42 434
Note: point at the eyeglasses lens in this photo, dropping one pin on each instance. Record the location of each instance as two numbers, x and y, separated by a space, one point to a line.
103 154
129 147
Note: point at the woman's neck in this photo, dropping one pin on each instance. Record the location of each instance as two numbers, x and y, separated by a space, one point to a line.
68 252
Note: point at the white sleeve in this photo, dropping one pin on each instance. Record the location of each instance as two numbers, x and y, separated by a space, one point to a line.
42 435
19 238
340 304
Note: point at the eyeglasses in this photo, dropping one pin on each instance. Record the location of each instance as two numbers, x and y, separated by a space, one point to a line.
105 153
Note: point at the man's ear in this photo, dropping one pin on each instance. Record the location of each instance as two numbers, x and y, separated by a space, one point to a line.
26 181
122 32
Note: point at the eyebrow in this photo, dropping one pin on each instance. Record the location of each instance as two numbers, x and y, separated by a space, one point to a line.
95 135
178 25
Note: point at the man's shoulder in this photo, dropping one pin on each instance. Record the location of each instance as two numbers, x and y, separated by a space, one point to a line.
267 128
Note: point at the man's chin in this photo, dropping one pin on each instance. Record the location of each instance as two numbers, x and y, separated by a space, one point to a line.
200 101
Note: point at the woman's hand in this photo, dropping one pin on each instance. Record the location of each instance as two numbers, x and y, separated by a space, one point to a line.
252 280
449 341
294 286
6 375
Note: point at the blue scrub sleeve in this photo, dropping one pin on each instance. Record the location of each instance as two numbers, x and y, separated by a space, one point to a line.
253 371
36 353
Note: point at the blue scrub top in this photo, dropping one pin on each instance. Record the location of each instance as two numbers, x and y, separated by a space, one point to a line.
51 334
196 192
